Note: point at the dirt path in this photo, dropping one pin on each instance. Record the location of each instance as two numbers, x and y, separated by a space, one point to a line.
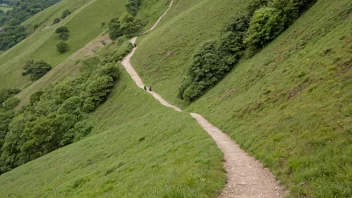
246 177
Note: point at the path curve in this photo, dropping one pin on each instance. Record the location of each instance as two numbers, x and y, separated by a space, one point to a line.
246 176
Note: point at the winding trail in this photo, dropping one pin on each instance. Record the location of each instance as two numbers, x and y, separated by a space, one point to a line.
246 177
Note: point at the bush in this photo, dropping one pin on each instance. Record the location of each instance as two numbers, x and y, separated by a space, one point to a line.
35 97
6 94
132 6
63 33
266 24
115 28
36 69
11 103
129 25
254 5
62 47
61 29
210 64
126 26
65 14
215 59
64 36
56 20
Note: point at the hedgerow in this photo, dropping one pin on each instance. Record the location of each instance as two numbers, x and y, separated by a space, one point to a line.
263 22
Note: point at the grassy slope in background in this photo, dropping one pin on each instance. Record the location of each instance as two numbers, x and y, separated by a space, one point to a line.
146 154
290 105
136 149
12 61
167 51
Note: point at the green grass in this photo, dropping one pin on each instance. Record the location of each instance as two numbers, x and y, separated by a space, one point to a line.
289 106
147 153
166 52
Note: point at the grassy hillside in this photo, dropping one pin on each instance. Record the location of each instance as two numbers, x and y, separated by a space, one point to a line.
164 55
290 105
41 44
146 153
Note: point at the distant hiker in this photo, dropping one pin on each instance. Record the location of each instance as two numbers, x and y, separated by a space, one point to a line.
150 88
135 45
145 87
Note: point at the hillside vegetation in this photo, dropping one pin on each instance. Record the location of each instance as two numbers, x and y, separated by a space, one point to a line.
282 91
136 147
138 150
289 105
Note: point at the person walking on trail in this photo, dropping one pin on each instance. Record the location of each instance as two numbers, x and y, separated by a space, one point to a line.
134 45
145 87
150 88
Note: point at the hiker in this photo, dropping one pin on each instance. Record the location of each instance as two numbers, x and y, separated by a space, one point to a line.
135 45
150 88
145 87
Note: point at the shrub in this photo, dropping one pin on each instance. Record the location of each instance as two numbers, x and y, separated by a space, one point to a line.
62 47
63 33
109 70
61 30
11 103
65 13
115 28
35 97
129 25
214 59
36 69
254 5
126 26
210 64
6 94
132 6
56 20
267 23
64 36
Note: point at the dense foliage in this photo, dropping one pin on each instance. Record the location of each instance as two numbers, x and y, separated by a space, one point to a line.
214 59
64 14
62 47
132 6
63 33
37 69
263 22
54 117
126 26
270 21
11 35
12 32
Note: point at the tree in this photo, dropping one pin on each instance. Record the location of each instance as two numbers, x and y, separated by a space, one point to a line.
115 28
36 69
132 6
56 20
129 25
266 24
61 29
65 13
11 103
35 97
62 47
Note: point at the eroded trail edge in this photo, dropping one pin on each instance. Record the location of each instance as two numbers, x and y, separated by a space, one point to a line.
246 177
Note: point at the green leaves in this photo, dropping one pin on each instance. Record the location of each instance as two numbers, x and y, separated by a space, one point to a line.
266 24
36 69
126 26
132 6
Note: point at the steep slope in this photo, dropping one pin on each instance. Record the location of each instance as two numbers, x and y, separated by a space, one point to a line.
146 153
290 105
137 149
